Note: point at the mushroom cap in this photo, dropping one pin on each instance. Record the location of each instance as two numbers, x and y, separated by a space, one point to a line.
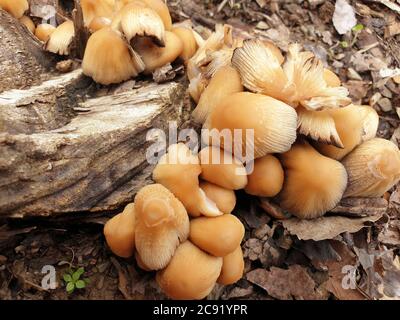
98 23
232 267
373 168
267 177
61 38
191 274
119 232
274 50
218 236
224 199
16 8
188 40
225 82
179 171
162 224
154 56
140 262
273 122
354 124
109 59
222 169
28 23
313 185
43 31
331 79
137 20
96 8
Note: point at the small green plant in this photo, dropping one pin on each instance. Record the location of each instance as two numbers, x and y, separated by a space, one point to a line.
73 280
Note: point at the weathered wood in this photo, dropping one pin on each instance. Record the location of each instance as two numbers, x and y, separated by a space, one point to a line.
94 162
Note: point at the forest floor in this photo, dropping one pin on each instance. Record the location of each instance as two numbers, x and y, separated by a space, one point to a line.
352 253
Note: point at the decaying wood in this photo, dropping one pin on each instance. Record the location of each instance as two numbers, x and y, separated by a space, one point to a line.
94 162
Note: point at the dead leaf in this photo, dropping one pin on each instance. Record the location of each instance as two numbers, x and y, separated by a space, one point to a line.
361 207
344 17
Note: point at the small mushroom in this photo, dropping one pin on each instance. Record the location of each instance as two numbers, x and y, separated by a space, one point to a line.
98 23
272 122
109 59
119 232
43 31
191 274
96 8
373 168
28 23
179 171
224 199
354 124
154 56
188 40
267 177
218 236
313 185
61 38
225 82
162 224
222 169
16 8
232 267
331 79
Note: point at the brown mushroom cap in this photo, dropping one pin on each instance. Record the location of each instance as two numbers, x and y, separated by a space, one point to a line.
232 267
191 274
28 23
108 58
154 56
274 123
267 177
43 31
98 23
225 82
119 232
222 169
96 8
224 199
61 38
189 42
314 184
16 8
373 168
218 236
162 224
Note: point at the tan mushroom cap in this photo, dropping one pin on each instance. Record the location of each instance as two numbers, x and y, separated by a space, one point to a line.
222 169
314 184
43 31
98 23
109 59
96 8
188 40
162 224
28 23
154 56
16 8
354 124
331 79
373 168
218 236
140 262
267 177
119 232
191 274
61 38
274 50
225 199
273 123
225 82
232 267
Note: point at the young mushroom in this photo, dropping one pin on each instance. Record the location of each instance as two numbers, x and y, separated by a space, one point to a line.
272 122
61 38
162 224
232 267
218 236
313 185
119 232
267 177
188 40
16 8
28 23
96 8
222 169
224 199
179 171
98 23
109 59
43 31
373 168
191 274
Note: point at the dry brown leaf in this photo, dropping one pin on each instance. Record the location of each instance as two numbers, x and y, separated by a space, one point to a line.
361 207
326 227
